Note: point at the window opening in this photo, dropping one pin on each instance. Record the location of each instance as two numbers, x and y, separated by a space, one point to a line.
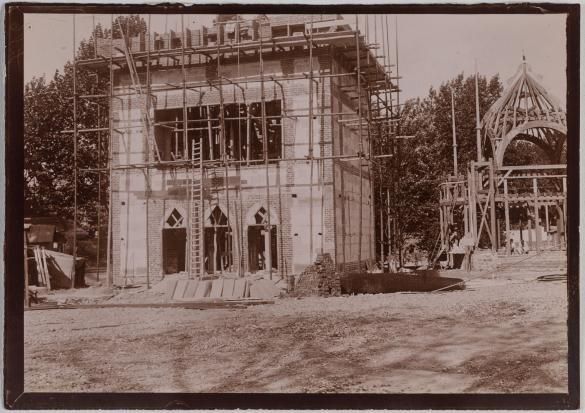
218 242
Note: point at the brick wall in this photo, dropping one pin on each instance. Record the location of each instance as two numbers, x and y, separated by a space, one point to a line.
289 181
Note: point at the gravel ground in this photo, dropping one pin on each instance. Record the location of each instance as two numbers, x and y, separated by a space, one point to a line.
496 336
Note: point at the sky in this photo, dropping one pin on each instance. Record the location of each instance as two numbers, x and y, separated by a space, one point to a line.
431 48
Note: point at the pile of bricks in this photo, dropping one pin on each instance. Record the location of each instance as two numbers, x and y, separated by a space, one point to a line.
319 279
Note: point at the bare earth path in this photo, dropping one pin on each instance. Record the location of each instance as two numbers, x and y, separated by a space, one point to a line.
498 336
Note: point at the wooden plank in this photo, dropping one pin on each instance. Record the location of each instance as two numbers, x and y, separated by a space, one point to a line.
228 288
191 288
171 289
180 290
40 272
239 288
247 290
45 267
203 289
216 288
201 305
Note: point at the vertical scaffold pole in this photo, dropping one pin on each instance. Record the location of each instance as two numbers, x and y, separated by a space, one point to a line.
477 121
454 134
311 140
148 137
268 258
109 270
187 148
74 160
361 143
398 220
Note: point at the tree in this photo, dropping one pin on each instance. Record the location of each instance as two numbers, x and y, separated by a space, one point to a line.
48 143
422 163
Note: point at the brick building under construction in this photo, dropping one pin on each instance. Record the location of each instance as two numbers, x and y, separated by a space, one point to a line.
243 147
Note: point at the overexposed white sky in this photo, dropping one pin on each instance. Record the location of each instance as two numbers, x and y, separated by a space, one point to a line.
432 48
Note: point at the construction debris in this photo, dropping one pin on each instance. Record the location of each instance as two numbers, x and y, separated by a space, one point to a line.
318 279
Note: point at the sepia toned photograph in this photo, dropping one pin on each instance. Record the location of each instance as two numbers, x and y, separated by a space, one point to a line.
297 203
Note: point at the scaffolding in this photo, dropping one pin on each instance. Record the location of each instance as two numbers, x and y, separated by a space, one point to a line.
368 81
480 203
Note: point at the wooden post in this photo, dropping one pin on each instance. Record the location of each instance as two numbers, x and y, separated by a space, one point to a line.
361 145
267 248
454 134
498 233
472 202
536 214
477 121
209 137
465 219
109 270
442 227
529 231
546 224
74 161
492 206
388 222
564 223
507 214
26 297
248 118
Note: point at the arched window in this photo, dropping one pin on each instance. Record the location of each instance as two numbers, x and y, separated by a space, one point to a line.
175 220
261 241
261 217
174 242
217 218
218 242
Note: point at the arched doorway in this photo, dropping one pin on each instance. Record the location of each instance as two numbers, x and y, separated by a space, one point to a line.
174 242
260 242
218 242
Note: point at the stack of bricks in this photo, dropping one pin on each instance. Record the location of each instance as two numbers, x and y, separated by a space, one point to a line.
319 279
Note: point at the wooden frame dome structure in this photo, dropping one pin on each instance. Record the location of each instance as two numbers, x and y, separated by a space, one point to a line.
498 202
525 111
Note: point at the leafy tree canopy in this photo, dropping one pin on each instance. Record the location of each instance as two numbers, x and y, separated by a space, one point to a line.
48 148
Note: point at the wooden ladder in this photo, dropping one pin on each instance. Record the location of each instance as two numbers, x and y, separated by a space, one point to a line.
196 223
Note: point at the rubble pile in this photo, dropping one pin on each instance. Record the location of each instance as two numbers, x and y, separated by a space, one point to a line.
319 279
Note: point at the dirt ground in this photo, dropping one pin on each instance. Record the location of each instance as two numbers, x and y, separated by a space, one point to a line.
496 336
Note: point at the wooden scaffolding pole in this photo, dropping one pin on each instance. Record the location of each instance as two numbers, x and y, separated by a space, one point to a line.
507 218
148 137
492 205
361 143
537 231
398 219
454 134
477 121
109 269
268 229
310 77
74 160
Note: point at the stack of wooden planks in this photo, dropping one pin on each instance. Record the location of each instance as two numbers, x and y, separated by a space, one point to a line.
44 277
221 289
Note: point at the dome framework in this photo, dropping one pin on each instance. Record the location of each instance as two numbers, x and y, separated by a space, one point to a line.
505 207
525 111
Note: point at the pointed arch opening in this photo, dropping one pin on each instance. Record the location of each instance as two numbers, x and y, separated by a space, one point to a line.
218 242
262 244
174 241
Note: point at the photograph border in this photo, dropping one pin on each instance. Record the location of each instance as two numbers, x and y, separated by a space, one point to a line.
16 398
